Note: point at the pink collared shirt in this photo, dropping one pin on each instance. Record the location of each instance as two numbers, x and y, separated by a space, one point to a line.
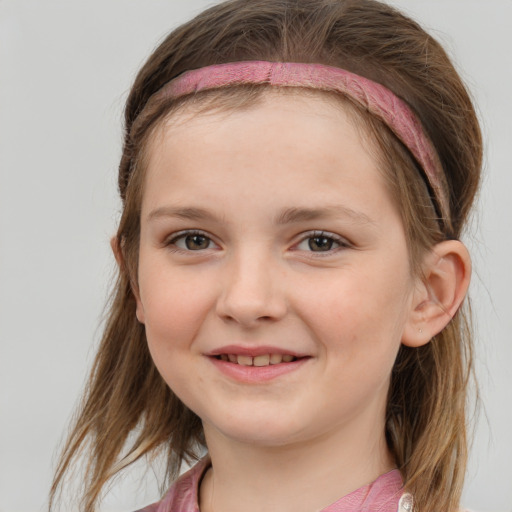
383 495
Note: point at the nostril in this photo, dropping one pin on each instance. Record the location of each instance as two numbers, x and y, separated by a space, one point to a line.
250 304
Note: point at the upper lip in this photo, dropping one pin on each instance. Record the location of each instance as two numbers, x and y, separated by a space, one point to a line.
254 351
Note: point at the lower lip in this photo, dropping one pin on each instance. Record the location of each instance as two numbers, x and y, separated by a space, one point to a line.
255 374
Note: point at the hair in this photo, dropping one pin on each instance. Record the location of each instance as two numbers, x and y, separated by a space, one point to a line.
128 411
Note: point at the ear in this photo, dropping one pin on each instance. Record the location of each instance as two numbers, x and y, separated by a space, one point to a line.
439 293
115 244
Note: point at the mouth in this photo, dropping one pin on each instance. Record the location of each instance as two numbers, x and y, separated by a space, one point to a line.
259 360
255 365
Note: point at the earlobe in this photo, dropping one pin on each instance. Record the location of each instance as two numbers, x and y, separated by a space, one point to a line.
116 249
438 296
140 311
118 255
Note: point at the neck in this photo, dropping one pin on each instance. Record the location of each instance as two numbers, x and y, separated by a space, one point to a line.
299 477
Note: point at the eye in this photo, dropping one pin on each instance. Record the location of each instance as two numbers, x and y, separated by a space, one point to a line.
191 241
321 242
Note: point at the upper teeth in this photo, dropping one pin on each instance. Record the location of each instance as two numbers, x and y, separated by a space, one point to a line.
263 360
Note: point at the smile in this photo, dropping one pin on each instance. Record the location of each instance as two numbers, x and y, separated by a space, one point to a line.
256 365
260 360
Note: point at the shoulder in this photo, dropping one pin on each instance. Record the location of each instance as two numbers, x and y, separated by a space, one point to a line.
182 496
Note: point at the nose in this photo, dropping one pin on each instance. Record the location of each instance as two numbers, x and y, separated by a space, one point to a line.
252 291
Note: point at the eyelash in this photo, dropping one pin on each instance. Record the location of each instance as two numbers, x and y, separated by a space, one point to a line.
171 242
336 239
340 241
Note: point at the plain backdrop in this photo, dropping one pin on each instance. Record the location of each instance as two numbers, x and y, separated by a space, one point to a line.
65 69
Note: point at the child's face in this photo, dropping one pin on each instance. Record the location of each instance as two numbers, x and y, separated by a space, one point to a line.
271 231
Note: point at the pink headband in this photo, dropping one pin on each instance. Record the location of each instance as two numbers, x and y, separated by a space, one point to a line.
372 96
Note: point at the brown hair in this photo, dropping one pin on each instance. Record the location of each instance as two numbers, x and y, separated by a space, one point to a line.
426 410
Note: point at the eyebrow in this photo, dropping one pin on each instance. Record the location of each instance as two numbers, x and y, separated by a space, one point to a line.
285 216
186 213
291 215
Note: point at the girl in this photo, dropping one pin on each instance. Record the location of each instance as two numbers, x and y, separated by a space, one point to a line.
295 177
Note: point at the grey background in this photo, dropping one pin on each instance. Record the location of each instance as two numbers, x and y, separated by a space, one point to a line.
65 69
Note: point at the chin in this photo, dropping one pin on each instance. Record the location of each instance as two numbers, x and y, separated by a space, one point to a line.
258 432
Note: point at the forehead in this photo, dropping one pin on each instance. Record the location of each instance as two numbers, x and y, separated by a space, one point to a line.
244 101
290 106
278 138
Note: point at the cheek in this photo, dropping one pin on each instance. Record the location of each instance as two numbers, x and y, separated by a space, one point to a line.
174 303
357 309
